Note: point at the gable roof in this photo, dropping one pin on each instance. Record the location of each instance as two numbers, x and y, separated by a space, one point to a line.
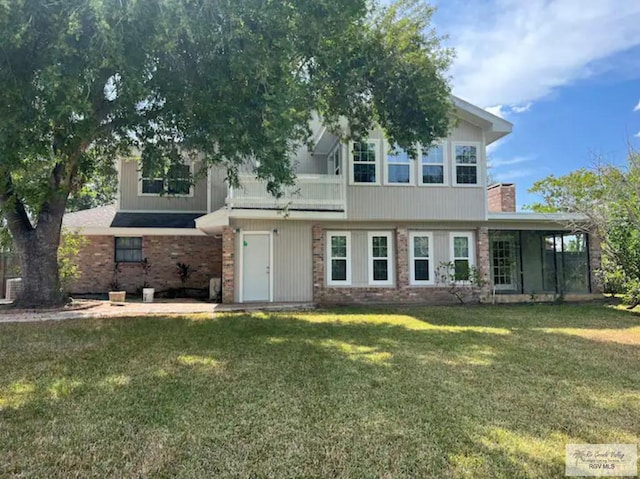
494 126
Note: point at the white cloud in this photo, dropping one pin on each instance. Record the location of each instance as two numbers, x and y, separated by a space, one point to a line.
512 52
637 107
506 111
499 162
637 135
521 108
497 110
511 175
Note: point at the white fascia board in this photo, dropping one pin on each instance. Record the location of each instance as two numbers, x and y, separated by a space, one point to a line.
494 126
217 219
291 215
105 231
557 217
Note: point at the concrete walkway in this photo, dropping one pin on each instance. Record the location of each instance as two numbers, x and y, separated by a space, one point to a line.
104 309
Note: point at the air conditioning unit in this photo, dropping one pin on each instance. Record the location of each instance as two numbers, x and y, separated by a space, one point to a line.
13 289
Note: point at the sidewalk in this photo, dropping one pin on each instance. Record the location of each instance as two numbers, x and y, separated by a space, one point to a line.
104 309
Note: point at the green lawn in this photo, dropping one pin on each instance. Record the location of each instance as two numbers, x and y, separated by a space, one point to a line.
423 392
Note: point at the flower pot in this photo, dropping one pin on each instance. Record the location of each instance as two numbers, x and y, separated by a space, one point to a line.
147 295
117 296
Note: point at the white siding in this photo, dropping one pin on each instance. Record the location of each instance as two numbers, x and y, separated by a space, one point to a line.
408 203
131 201
304 162
218 188
292 262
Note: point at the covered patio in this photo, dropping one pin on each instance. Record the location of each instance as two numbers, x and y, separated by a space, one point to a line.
544 262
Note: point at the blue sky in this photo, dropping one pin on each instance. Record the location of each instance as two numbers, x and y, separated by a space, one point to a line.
566 73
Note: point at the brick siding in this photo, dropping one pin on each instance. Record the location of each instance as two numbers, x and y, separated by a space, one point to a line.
502 198
402 292
96 263
228 264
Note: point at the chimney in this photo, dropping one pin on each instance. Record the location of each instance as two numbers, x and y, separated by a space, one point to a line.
502 198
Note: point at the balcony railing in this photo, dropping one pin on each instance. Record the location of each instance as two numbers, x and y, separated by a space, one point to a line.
310 193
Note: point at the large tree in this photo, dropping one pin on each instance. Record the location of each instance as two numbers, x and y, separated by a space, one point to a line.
83 81
608 199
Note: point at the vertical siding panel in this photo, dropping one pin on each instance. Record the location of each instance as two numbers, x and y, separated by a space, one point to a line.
218 188
379 203
306 163
409 203
359 258
292 261
441 252
130 201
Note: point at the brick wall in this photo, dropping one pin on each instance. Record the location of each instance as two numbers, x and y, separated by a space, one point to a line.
96 263
483 261
502 198
402 292
228 264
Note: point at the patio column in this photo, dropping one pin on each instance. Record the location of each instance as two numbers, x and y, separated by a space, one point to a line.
317 240
228 268
402 258
483 260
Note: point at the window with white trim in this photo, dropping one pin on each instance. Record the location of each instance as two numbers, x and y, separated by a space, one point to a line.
399 169
339 258
466 159
420 258
380 258
365 162
173 180
462 255
128 249
432 164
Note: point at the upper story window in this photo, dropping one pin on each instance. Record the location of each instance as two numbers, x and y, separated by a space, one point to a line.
173 180
399 167
466 159
365 162
432 165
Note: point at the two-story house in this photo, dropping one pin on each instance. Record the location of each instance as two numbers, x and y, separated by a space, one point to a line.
364 223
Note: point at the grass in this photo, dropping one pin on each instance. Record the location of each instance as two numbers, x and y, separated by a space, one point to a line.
430 392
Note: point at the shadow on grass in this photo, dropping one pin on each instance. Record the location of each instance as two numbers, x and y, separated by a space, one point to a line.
568 315
427 392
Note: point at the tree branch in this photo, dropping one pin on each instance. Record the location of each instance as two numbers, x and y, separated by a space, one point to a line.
12 207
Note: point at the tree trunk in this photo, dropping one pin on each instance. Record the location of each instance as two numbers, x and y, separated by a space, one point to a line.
39 270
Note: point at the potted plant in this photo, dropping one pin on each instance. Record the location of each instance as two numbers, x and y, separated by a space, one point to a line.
147 291
115 295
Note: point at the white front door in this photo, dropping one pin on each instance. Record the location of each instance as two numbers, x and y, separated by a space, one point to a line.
256 264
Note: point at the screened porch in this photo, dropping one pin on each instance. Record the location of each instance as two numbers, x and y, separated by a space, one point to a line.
539 262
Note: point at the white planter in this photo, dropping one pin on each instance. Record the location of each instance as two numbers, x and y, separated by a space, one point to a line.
117 297
14 288
147 295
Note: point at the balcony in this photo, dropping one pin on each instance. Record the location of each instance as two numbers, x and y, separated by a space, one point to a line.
310 193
